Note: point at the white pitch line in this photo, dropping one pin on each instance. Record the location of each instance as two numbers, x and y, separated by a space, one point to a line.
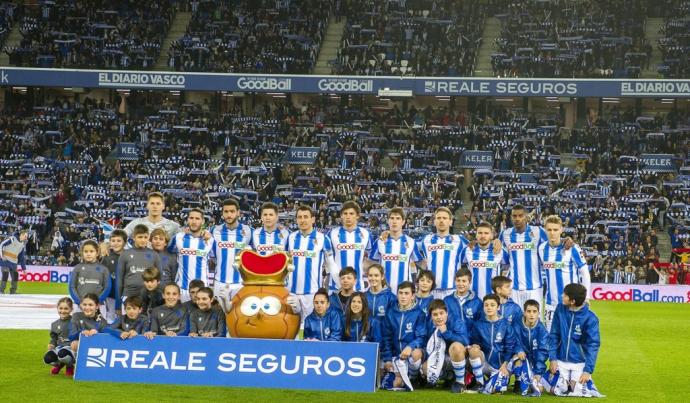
28 311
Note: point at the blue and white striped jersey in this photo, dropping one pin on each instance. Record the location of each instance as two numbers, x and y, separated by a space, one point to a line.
442 255
484 265
266 243
395 255
309 253
521 254
562 267
228 242
349 249
192 258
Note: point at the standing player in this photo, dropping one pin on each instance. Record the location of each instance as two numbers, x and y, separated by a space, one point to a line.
155 205
520 245
311 252
561 266
482 261
351 245
230 238
440 252
12 254
192 250
269 238
398 252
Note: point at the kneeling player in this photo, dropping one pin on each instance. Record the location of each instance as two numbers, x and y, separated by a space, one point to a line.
493 344
574 340
532 338
446 341
403 334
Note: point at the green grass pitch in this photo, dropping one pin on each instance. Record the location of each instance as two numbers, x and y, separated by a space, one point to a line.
644 357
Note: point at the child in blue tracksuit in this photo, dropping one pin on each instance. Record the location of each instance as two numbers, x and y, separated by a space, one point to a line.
359 324
404 331
532 337
454 334
508 310
425 285
493 343
574 340
338 300
379 297
323 323
463 303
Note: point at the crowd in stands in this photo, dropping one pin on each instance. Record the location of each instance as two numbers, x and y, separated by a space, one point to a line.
589 38
421 37
62 178
675 43
255 36
114 34
9 14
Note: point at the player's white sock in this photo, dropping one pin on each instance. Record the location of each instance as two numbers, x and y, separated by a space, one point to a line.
414 368
459 369
476 364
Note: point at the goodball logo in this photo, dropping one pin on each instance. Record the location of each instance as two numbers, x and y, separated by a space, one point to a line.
345 85
264 83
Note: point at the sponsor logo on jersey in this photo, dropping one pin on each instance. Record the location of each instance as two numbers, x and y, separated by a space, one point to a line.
481 264
394 258
517 246
554 265
269 248
439 246
349 246
193 252
231 244
304 253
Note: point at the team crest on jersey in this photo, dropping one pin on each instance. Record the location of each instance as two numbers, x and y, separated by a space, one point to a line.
499 337
162 314
578 331
408 327
59 327
200 319
468 312
534 344
82 281
327 331
381 310
131 256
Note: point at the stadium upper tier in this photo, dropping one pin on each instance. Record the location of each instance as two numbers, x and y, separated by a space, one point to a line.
55 174
589 38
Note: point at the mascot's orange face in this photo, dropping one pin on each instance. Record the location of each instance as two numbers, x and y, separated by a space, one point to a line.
260 309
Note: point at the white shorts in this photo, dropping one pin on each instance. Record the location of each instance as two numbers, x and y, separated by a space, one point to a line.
549 311
520 297
441 294
571 371
224 293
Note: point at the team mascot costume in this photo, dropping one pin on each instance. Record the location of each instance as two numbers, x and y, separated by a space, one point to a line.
260 309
